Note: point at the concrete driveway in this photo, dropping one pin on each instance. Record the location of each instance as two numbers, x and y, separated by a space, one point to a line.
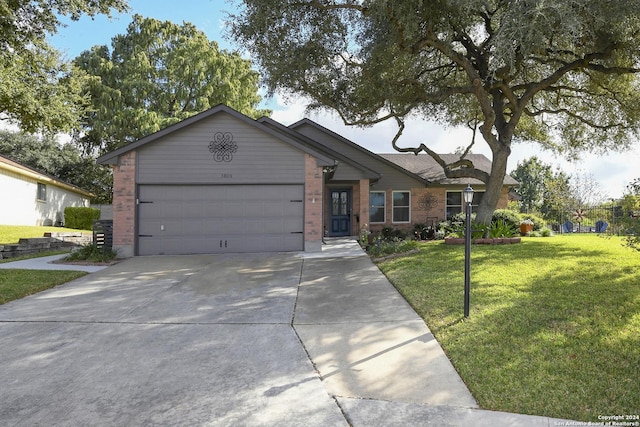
230 340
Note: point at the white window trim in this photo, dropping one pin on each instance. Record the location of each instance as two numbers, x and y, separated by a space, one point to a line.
446 206
384 207
393 207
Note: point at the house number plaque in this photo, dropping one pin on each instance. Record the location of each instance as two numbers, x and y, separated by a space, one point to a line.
223 146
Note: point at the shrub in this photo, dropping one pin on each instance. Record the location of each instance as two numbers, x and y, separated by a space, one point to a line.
382 247
511 218
389 233
501 228
80 218
92 253
422 232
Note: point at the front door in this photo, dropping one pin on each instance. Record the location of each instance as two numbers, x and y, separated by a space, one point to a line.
339 212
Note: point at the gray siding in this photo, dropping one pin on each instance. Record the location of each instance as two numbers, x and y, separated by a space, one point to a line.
183 157
391 177
345 172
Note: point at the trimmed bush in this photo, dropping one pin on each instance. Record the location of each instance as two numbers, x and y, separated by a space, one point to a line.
80 218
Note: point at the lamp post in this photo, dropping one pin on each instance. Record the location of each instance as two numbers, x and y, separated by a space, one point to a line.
467 196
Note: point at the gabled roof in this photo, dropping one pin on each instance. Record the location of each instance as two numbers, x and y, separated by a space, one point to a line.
20 169
112 157
368 172
362 150
426 167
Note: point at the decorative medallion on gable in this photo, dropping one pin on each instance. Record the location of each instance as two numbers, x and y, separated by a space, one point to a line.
223 146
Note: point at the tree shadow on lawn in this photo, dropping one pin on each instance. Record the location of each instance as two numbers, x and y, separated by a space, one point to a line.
561 342
556 333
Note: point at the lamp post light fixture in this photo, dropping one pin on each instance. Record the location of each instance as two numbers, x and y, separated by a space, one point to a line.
467 196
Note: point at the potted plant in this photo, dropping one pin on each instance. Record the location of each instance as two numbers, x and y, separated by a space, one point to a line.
526 226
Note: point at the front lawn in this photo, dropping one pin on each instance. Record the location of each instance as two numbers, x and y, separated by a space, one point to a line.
16 284
12 233
554 327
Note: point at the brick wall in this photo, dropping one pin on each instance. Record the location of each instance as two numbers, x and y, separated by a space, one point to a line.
363 205
313 205
124 204
428 207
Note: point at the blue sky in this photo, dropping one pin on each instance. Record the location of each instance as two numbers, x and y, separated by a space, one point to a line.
207 15
613 171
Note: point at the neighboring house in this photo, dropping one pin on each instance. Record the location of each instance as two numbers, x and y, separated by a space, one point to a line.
30 197
223 182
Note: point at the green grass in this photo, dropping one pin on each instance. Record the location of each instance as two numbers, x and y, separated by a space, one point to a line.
554 327
16 284
12 233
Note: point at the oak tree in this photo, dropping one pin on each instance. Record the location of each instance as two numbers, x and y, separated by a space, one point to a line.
560 73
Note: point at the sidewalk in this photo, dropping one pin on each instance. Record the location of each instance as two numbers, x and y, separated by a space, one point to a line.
47 263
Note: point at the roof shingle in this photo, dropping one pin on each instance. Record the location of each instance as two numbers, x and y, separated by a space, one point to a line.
427 168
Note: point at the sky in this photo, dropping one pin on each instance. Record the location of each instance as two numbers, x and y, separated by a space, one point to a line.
612 171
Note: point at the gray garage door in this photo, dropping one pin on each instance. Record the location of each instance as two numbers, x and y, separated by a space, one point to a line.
199 219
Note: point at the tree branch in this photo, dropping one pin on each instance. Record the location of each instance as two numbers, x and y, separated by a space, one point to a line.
570 113
462 168
321 6
586 62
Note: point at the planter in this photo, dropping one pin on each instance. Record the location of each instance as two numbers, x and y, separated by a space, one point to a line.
497 241
454 241
483 241
526 228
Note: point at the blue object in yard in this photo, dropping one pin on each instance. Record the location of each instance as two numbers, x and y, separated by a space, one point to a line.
567 227
601 226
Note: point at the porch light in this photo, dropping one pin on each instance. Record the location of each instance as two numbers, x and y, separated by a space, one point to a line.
467 195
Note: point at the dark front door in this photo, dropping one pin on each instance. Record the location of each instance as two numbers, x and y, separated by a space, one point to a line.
339 212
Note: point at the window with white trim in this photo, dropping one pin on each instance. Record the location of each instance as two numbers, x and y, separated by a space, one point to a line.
377 202
454 202
401 206
41 192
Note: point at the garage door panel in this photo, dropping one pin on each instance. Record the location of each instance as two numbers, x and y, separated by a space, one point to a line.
210 219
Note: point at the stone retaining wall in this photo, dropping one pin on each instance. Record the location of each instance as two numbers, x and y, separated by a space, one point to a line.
51 241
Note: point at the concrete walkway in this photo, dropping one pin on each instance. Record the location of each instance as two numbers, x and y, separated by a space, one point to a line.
49 263
253 339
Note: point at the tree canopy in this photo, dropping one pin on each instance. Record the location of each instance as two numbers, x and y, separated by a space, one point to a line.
538 183
631 218
155 75
62 161
37 89
560 73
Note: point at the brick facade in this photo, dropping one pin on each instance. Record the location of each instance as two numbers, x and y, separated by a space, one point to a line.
363 205
428 207
313 204
124 204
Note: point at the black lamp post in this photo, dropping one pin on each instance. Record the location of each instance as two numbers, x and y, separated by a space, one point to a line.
467 196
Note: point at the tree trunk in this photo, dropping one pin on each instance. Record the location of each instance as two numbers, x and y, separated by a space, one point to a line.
493 186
